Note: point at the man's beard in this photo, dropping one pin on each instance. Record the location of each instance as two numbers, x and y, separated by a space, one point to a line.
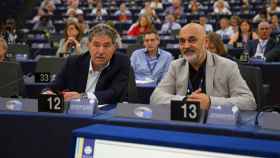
190 55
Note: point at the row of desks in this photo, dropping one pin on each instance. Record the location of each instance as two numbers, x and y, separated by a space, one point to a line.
44 135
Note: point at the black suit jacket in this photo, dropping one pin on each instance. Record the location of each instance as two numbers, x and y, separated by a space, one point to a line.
253 44
112 83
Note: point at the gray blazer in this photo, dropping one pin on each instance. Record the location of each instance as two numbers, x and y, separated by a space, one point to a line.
224 83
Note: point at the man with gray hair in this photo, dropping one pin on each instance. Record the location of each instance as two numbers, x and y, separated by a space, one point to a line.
100 74
3 49
202 76
259 48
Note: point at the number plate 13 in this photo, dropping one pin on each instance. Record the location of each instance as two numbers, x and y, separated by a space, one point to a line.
185 111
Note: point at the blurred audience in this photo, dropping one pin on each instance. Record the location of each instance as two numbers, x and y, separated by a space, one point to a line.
123 14
176 8
170 25
203 22
156 4
262 15
148 10
273 7
99 8
225 31
9 31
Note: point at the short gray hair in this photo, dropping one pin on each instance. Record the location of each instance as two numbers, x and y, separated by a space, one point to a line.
104 29
3 43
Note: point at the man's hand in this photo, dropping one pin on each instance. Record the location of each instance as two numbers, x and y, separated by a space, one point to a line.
71 95
200 97
48 92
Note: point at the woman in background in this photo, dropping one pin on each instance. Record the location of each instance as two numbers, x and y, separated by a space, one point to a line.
215 44
143 24
241 38
72 43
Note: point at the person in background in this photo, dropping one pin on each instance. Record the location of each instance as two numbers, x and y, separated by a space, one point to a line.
148 10
224 3
100 74
262 15
45 24
72 43
202 76
176 8
143 24
40 12
203 23
99 8
150 63
260 47
273 7
50 8
214 44
170 25
82 22
221 8
72 6
156 4
275 25
235 23
241 38
10 32
225 31
3 49
194 3
123 14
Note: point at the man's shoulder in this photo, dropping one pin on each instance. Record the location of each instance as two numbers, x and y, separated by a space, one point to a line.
178 62
120 59
222 61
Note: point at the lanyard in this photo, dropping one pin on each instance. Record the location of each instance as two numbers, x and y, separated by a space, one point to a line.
151 68
262 46
190 86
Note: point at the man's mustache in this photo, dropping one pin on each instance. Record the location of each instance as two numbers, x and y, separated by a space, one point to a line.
188 50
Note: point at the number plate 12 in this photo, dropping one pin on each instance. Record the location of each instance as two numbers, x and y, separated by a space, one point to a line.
51 103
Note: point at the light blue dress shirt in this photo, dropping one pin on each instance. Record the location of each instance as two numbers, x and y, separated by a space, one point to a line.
150 69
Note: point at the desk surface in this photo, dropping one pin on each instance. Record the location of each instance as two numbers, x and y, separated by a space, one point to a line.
44 135
185 140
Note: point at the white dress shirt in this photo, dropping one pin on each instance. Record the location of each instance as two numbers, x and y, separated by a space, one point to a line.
92 80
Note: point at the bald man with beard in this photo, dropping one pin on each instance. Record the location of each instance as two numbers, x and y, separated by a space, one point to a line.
202 76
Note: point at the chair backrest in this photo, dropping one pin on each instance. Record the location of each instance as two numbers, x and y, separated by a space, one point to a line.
253 76
11 80
235 52
132 47
15 49
132 94
50 64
